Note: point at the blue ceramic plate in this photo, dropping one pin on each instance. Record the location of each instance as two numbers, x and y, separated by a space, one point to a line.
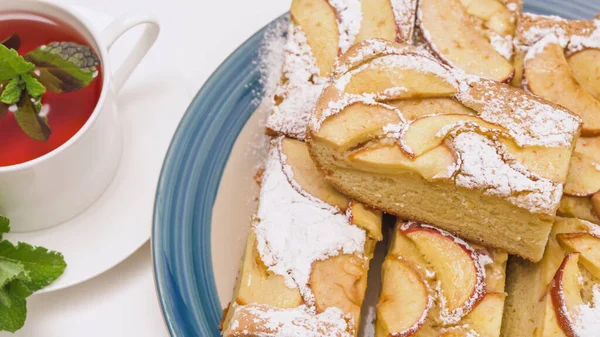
192 172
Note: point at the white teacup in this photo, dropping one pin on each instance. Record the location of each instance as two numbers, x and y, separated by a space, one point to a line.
61 184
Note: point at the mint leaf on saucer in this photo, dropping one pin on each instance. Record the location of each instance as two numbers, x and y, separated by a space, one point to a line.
42 266
11 270
24 269
12 64
12 42
64 66
12 93
13 309
29 119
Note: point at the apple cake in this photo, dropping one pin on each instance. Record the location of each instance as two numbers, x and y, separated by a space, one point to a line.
399 131
304 271
560 295
437 285
560 61
320 31
473 35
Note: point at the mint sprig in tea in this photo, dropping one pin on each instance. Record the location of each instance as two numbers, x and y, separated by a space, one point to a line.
50 83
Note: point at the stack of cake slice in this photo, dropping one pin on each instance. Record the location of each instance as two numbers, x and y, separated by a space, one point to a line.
403 106
304 272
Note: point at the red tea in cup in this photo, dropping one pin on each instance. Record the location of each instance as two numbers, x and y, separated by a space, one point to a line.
67 112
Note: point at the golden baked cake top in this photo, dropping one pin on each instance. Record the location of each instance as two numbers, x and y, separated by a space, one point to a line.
320 31
560 61
558 64
293 228
436 284
473 35
487 136
306 260
263 320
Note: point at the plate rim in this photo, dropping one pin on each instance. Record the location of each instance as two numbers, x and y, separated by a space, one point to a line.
156 241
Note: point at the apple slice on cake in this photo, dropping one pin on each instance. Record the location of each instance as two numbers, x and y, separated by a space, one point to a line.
451 35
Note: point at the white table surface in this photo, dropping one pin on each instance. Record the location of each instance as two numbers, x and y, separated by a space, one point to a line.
123 301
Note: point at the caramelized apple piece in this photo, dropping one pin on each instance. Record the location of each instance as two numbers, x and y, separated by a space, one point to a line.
404 300
595 199
585 244
318 21
548 74
460 275
377 20
367 218
450 33
547 162
413 109
355 124
585 65
495 15
391 159
551 328
565 290
423 134
257 285
391 80
486 317
340 282
584 176
308 176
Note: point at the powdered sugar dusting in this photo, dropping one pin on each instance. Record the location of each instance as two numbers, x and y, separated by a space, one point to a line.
540 45
300 88
296 322
485 166
349 14
593 228
587 319
502 44
528 121
579 42
404 14
572 35
535 33
403 61
294 229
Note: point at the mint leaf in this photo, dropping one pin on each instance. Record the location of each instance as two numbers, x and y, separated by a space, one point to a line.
12 42
12 93
64 66
24 269
13 309
11 270
42 266
33 86
3 107
4 226
12 64
29 119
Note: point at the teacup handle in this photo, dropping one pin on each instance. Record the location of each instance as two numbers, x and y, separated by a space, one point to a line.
121 26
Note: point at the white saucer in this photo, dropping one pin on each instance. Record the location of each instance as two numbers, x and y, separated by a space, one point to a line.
151 105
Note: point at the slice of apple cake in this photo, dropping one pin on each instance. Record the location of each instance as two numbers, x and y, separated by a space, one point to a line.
320 31
399 131
560 61
435 284
560 295
473 35
304 271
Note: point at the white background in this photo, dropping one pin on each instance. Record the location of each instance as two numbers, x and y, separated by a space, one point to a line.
197 35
